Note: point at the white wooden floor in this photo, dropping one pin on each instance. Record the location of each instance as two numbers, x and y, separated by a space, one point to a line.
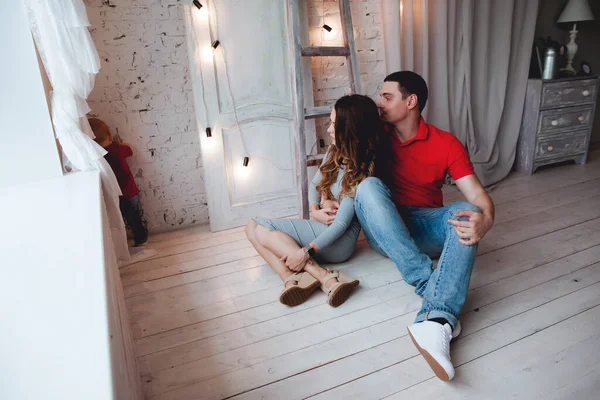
208 325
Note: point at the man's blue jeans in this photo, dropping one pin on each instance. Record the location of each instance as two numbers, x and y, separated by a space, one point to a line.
409 236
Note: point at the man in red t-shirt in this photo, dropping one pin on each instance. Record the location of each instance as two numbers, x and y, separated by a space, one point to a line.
403 216
129 202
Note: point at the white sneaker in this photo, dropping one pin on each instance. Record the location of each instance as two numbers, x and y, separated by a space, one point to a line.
433 342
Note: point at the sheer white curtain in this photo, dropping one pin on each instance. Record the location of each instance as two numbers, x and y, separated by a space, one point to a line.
60 30
474 55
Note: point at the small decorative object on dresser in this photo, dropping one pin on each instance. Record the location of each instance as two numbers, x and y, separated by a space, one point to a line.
557 122
584 69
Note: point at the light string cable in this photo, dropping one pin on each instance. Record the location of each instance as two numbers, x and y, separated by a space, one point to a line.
245 152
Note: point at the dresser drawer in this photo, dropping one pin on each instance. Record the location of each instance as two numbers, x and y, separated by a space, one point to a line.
558 94
562 145
553 121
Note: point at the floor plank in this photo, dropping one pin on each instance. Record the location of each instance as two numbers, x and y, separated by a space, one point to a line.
187 235
196 244
585 387
163 268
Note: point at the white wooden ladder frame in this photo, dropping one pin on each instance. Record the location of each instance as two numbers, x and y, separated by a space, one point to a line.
300 113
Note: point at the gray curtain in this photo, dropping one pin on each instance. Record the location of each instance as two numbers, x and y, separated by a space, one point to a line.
474 55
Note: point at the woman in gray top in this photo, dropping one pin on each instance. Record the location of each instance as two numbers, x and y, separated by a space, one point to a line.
294 247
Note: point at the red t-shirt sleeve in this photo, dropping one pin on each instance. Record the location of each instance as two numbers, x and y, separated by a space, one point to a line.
125 151
459 163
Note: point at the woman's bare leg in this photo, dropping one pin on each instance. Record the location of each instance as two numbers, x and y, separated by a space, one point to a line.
319 272
279 243
272 259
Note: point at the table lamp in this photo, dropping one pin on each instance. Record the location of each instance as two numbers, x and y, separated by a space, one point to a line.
575 11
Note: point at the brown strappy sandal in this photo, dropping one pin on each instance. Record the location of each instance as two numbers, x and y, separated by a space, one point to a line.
338 293
298 293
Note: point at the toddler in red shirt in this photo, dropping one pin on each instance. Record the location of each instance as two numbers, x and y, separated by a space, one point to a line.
129 202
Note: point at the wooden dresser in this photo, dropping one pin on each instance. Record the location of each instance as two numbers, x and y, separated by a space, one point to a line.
557 122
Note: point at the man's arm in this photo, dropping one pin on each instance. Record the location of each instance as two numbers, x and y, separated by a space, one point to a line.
473 230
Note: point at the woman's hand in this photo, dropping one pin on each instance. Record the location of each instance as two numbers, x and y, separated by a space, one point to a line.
326 215
296 261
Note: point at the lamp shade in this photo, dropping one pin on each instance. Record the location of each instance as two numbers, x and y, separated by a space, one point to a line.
575 11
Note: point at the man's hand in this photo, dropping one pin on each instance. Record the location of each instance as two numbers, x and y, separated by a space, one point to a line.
473 230
326 215
295 261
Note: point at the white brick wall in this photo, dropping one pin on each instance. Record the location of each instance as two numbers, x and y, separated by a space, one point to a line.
143 92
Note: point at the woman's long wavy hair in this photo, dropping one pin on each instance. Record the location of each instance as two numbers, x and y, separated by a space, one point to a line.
358 130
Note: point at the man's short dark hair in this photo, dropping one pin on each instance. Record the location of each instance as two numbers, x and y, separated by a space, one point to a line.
410 83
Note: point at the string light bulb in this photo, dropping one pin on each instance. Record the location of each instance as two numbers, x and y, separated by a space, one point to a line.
330 33
207 53
202 11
